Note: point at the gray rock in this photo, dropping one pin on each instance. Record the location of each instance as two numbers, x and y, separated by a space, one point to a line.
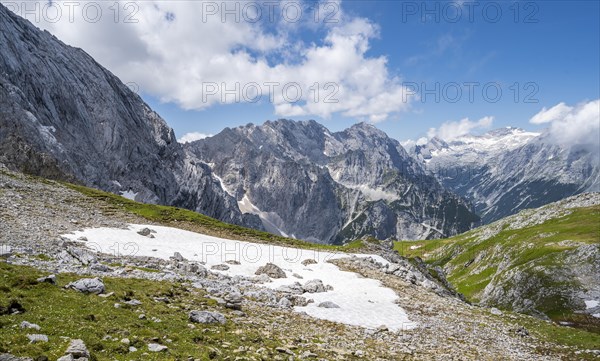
271 270
26 324
145 232
295 288
100 267
495 311
220 267
34 338
285 302
328 304
154 347
206 317
77 349
314 286
47 279
88 285
178 257
309 261
133 302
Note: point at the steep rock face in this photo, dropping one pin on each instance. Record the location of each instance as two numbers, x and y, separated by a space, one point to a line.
507 170
304 181
64 116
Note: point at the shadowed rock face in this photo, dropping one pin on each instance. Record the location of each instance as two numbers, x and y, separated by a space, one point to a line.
305 181
64 116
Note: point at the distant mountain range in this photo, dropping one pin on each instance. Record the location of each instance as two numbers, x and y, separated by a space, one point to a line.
64 116
507 170
304 181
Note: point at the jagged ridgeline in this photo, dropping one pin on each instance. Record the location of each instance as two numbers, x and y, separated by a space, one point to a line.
307 182
64 116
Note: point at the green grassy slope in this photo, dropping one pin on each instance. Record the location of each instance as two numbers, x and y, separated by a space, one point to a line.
66 313
473 262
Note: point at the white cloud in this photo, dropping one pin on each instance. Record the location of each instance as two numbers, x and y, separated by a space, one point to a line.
558 111
179 60
192 137
450 130
570 125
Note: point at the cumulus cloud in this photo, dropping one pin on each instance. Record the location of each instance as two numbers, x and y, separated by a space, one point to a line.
192 137
183 52
557 112
572 125
454 129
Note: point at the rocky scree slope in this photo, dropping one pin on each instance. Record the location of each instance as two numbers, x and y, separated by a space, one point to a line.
153 300
306 182
64 116
545 261
508 170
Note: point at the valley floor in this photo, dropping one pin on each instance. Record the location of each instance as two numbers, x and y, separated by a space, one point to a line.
35 215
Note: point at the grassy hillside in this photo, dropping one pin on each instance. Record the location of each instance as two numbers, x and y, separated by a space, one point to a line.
538 262
64 314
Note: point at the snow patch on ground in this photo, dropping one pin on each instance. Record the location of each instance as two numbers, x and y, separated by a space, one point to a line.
591 304
363 302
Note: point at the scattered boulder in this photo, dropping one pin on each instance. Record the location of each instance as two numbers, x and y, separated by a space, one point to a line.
146 232
26 324
207 317
88 285
155 347
233 262
314 286
309 261
495 311
220 267
78 350
300 301
195 268
82 256
271 270
47 279
100 267
35 338
233 300
285 302
178 257
328 304
133 302
295 288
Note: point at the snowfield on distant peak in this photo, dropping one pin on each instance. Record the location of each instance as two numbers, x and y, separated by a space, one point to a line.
362 301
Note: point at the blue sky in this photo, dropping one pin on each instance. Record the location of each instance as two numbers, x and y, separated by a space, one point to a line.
548 50
558 52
